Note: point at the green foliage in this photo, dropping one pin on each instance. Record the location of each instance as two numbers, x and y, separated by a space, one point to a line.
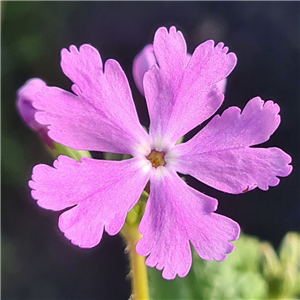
282 272
252 271
112 156
60 149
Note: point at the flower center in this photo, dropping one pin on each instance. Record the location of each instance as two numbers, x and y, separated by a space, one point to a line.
156 158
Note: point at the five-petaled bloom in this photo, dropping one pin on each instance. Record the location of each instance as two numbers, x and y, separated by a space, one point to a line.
181 92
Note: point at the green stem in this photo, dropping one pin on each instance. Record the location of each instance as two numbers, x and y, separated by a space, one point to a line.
139 279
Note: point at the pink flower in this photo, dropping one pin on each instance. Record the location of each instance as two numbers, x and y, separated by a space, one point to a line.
25 96
146 59
141 64
100 115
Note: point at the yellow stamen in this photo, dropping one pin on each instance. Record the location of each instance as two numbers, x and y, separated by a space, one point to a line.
156 158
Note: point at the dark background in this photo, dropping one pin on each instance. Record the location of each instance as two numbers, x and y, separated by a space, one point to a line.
37 261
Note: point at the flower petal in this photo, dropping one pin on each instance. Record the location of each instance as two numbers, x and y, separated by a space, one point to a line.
175 91
102 192
221 85
101 116
176 214
145 60
219 155
141 64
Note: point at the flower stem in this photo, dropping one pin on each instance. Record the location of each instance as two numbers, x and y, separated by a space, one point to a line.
139 279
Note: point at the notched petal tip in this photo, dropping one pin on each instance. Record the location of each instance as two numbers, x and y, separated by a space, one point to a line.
192 221
73 49
75 230
83 50
211 48
215 243
221 46
65 52
77 50
63 159
229 250
173 29
172 275
161 30
209 43
81 65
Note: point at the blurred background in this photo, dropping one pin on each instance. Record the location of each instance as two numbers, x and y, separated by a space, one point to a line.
37 261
